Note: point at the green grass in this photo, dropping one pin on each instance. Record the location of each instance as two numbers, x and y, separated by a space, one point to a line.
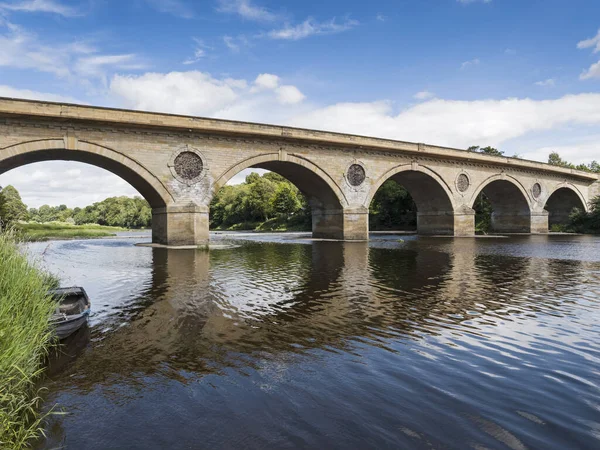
25 338
293 224
32 231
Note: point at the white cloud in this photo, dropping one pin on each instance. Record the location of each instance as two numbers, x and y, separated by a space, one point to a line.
456 123
39 6
510 51
311 27
546 83
7 91
381 17
472 62
423 95
591 43
246 10
289 95
592 72
265 81
176 8
466 2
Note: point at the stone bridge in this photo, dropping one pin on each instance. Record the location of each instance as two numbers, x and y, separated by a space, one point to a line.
178 163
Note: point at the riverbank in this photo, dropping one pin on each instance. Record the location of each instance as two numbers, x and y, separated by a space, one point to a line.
281 224
25 338
32 231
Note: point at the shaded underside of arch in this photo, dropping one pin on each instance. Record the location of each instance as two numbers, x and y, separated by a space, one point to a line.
510 208
435 212
561 204
148 189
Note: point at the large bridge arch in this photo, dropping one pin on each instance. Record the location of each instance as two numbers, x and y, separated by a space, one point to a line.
510 201
106 158
560 204
326 199
436 209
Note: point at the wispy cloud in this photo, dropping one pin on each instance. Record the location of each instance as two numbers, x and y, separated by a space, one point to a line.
311 27
22 49
472 62
466 2
591 43
381 17
510 51
176 8
199 52
592 72
230 43
546 83
40 6
246 10
423 95
594 69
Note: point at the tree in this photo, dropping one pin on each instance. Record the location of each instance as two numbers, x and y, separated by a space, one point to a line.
486 150
285 202
14 208
555 159
392 207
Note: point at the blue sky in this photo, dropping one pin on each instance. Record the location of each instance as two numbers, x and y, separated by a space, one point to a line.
522 75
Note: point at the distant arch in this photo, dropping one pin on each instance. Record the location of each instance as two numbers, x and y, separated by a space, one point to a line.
395 173
327 201
432 196
304 174
510 201
147 184
561 202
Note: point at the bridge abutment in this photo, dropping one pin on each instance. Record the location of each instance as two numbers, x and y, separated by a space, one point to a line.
180 225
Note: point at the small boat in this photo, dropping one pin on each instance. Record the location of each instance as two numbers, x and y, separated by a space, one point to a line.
72 312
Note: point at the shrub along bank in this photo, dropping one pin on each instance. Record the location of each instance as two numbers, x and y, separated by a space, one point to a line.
25 338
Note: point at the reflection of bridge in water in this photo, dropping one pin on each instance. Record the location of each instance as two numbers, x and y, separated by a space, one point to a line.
210 310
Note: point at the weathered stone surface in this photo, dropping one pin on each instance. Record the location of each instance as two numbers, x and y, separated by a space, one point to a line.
143 148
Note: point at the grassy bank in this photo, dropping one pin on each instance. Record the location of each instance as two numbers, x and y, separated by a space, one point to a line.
283 224
25 338
32 231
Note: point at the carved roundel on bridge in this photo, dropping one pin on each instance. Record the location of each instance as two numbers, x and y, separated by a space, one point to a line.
356 175
462 182
187 165
536 190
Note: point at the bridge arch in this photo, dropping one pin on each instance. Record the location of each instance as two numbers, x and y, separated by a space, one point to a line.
510 202
86 152
431 194
560 203
325 197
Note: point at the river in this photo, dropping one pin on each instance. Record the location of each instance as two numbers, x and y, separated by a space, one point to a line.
278 341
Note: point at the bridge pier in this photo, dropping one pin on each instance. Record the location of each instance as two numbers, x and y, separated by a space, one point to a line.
349 224
179 225
450 223
536 222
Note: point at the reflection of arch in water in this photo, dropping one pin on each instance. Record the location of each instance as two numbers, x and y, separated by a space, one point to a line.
562 202
511 212
432 196
324 196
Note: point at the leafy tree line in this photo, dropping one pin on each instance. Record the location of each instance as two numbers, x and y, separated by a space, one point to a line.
268 199
115 211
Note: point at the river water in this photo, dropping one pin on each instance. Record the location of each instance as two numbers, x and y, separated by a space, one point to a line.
278 341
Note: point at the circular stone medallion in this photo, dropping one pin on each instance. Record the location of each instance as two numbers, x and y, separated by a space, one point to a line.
462 182
356 175
188 165
536 190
